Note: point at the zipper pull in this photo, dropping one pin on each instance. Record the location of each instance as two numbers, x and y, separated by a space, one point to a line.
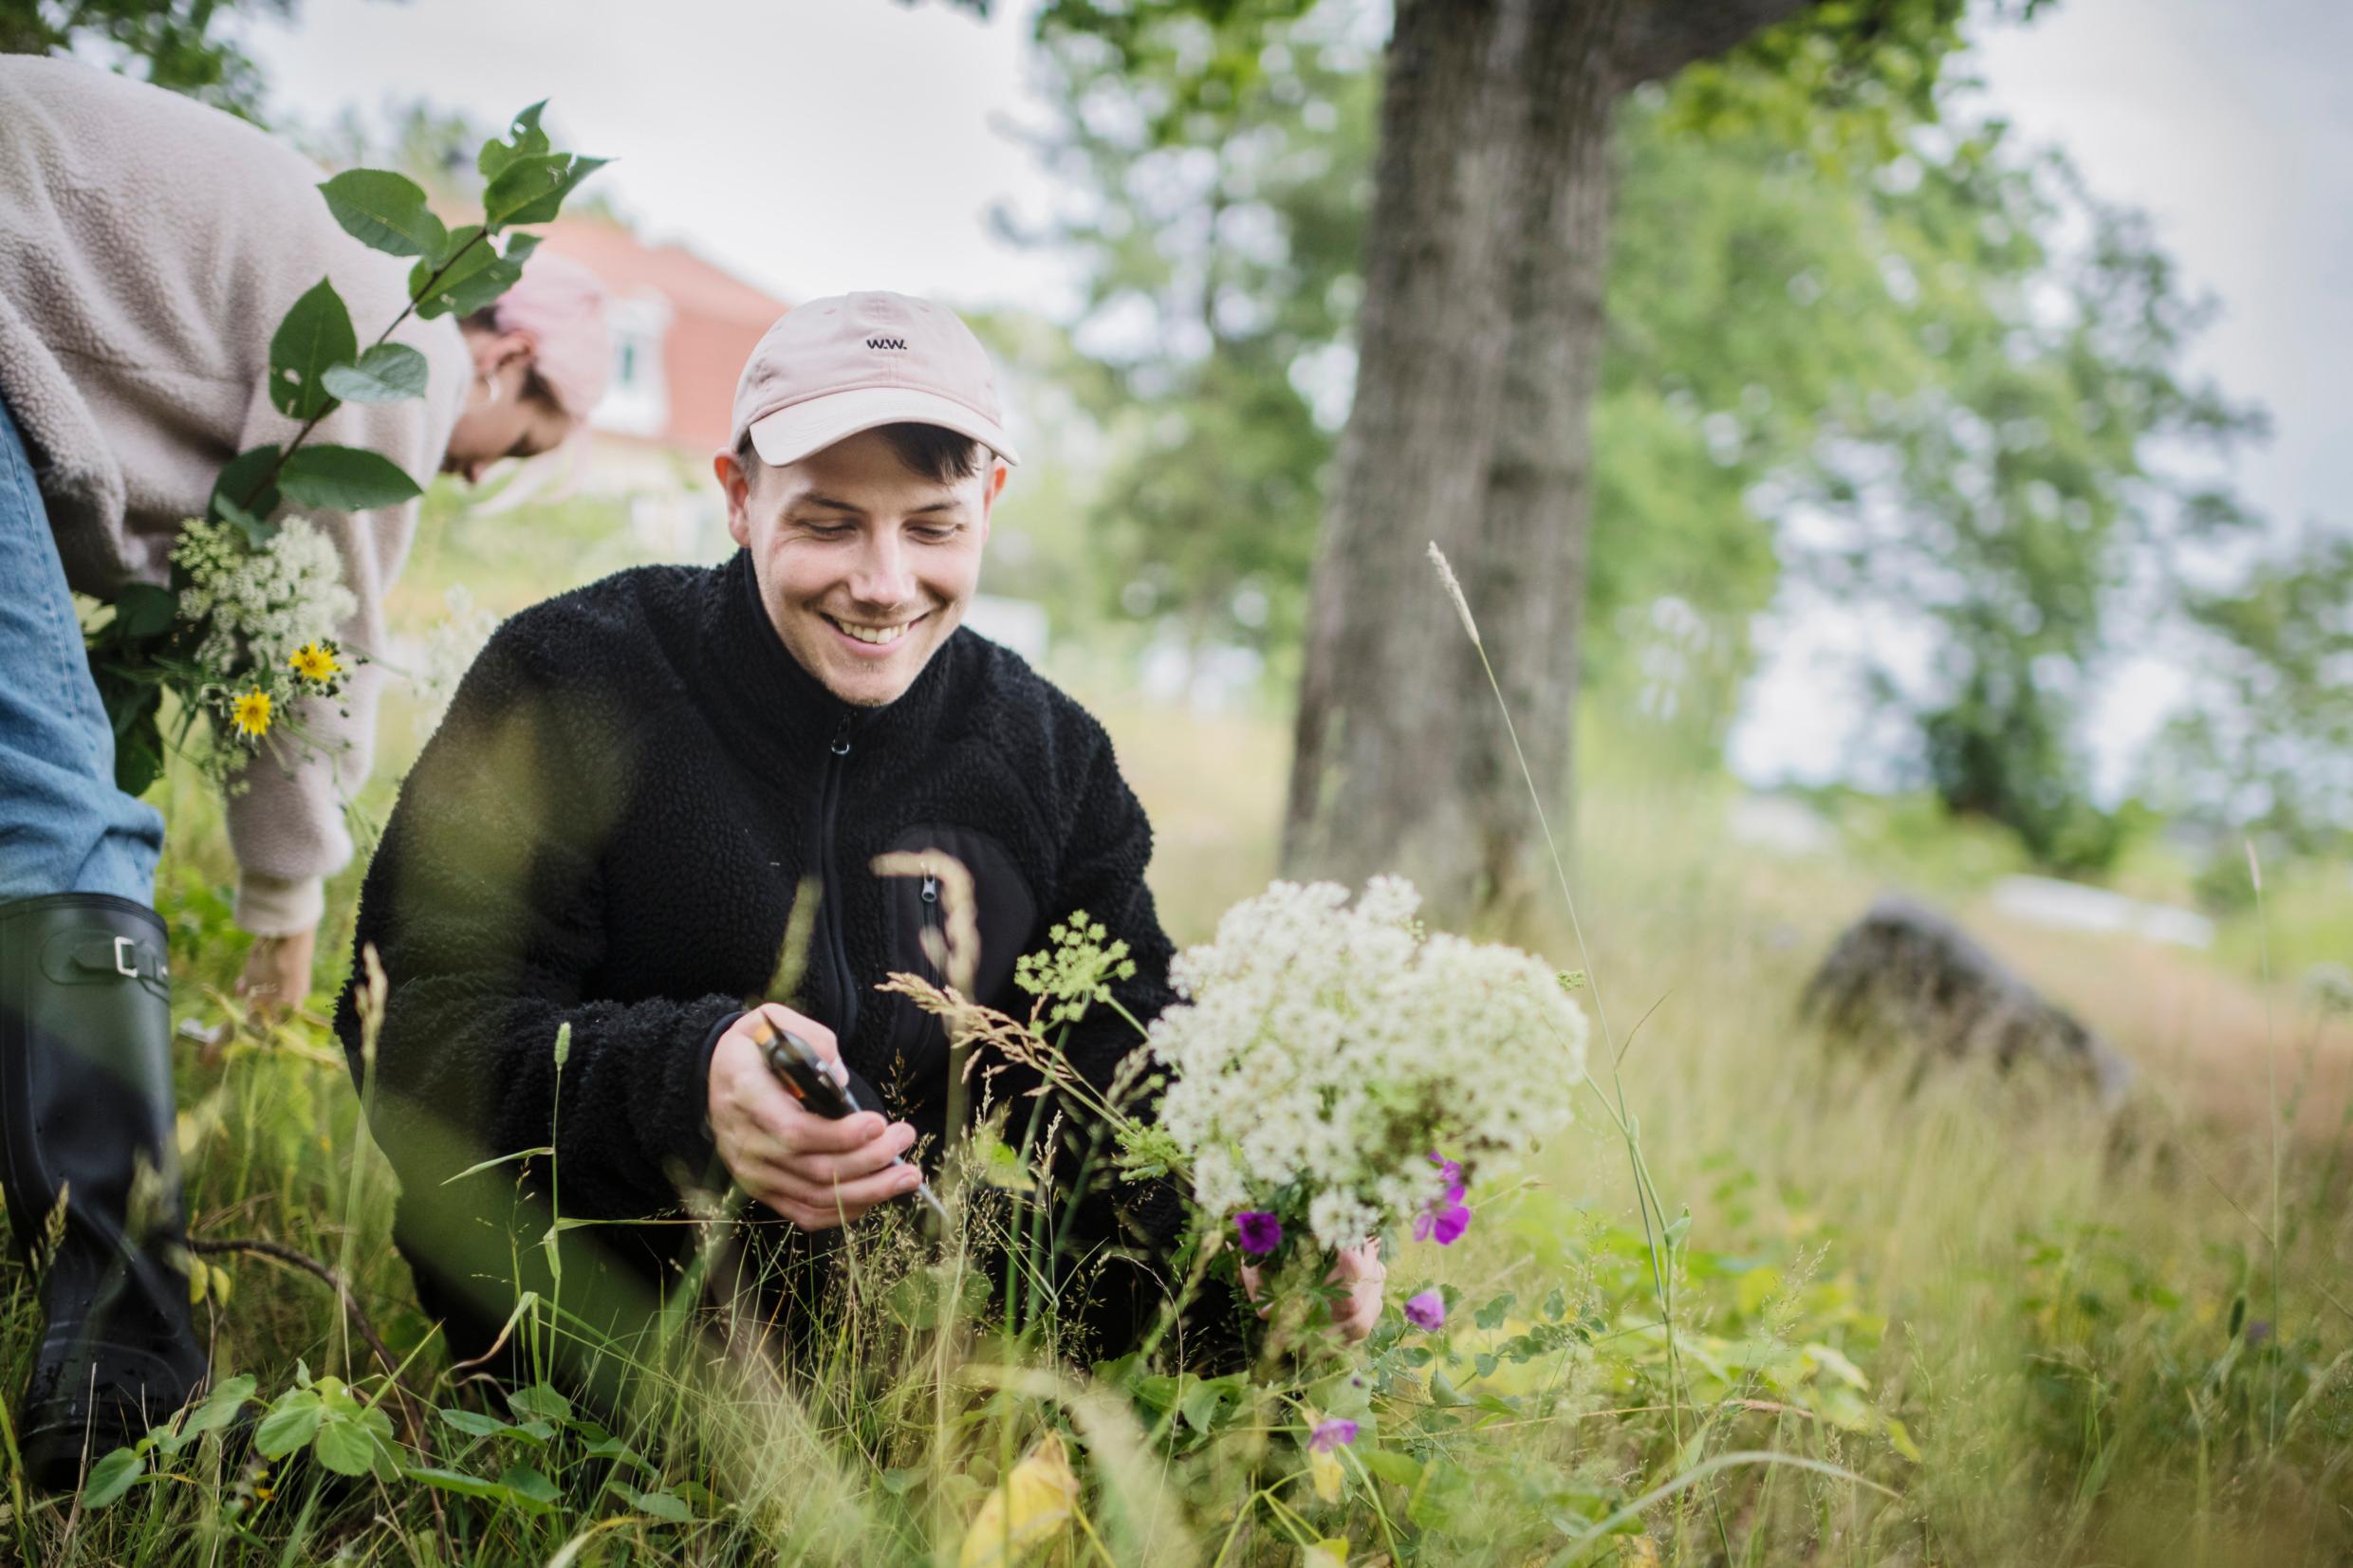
931 890
841 737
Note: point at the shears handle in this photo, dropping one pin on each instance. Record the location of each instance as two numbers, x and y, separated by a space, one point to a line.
805 1075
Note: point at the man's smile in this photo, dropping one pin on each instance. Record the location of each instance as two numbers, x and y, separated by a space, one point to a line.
869 635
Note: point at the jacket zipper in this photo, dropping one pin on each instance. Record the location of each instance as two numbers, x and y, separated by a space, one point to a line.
830 905
931 923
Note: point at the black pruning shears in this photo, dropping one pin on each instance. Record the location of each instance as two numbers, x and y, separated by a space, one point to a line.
823 1089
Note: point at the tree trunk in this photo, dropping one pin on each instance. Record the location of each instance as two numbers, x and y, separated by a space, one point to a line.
1479 343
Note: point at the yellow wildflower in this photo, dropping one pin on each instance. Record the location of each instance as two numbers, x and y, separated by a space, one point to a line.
251 715
316 662
1034 1504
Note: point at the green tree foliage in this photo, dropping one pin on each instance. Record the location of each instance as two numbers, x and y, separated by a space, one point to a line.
174 43
1223 225
2265 744
1852 332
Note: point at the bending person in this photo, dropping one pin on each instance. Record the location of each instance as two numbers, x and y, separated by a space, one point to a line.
149 246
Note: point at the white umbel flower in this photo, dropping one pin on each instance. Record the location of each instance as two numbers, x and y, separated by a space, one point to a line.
258 606
1323 1053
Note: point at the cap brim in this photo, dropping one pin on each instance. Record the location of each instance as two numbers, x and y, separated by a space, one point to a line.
794 431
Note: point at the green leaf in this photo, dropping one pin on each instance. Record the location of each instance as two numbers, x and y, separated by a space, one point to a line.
385 212
143 610
139 741
661 1505
1400 1469
345 1447
541 1401
240 496
344 479
459 1482
472 1423
481 1165
216 1411
529 1488
112 1476
315 333
292 1421
620 1454
529 140
522 183
434 281
386 374
519 247
473 277
548 204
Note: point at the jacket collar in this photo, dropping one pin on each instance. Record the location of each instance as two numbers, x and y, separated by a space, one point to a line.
752 677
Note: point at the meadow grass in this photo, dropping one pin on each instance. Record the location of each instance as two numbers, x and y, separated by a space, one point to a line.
1973 1321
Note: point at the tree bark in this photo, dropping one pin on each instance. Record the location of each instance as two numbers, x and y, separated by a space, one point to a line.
1479 343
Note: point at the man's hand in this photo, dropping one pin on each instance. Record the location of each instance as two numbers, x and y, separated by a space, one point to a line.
1358 1268
277 973
815 1173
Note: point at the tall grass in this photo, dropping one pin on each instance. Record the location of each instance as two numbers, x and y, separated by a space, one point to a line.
2036 1336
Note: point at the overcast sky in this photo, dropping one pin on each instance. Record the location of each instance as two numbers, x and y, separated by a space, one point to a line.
821 145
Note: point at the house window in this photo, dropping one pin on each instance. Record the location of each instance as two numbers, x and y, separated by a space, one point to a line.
638 402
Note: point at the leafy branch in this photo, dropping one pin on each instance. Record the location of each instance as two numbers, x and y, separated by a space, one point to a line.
315 366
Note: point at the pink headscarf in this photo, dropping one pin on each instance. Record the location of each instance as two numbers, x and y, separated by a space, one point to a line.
560 304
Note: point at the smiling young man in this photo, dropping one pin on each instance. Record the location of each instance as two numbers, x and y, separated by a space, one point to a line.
639 783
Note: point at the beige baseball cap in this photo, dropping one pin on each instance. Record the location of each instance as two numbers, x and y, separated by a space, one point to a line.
830 368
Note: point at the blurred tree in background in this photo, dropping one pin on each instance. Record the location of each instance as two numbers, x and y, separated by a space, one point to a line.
173 43
1852 341
1846 329
2264 746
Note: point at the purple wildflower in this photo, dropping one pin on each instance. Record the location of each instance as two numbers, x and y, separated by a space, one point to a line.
1427 1311
1334 1433
1446 1217
1261 1231
1450 1172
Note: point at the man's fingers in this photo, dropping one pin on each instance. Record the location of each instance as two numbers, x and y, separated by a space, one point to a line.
792 1192
804 1132
802 1215
864 1160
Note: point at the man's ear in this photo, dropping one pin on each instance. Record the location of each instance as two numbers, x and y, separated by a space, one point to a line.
737 487
999 471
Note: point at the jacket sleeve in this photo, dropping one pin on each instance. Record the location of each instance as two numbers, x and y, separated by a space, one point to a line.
285 811
484 906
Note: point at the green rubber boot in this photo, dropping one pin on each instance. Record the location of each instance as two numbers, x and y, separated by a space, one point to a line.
91 1166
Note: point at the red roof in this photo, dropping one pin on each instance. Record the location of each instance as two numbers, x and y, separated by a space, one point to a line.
715 319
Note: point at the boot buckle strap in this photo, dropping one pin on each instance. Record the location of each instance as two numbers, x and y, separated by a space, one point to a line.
79 959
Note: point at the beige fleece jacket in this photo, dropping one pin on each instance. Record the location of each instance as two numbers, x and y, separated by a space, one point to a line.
149 248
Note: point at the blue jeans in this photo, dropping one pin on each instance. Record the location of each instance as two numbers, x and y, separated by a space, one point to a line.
63 825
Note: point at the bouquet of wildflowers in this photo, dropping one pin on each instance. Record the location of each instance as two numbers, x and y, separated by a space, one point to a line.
241 630
1333 1071
1338 1072
259 619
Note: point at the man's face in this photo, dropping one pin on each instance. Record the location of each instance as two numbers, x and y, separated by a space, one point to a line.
865 566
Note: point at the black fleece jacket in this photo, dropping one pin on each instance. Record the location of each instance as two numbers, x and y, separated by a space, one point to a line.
606 836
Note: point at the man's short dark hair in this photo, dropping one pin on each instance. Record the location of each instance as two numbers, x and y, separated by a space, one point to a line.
929 451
